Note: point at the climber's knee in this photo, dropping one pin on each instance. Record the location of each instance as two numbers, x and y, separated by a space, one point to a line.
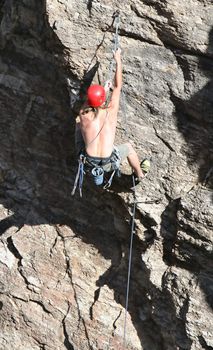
130 148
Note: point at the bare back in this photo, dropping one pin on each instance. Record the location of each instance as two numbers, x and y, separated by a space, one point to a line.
98 130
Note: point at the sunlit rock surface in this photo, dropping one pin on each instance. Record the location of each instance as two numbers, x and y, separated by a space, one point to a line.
64 259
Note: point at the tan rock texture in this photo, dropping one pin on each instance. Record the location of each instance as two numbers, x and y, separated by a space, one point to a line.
64 259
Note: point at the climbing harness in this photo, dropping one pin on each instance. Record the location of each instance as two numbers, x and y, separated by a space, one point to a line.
99 168
96 167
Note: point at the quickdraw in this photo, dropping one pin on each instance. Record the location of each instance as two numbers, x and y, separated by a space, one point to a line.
79 176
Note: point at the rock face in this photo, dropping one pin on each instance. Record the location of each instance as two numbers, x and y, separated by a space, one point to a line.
64 259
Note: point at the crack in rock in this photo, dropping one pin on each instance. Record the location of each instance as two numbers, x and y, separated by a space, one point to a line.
41 345
89 7
67 343
114 323
96 296
53 246
18 298
69 273
166 143
39 302
204 344
138 37
12 248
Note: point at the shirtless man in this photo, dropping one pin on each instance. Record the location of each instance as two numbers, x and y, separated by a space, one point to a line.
98 126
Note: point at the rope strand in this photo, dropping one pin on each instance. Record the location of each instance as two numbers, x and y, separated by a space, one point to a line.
130 260
116 43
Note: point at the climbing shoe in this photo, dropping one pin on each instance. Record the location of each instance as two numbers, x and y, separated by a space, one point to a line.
145 166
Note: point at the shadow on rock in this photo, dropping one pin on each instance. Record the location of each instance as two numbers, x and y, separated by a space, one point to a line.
195 117
152 310
37 160
38 165
182 251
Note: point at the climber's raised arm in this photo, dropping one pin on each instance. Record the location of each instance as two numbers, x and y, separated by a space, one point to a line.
118 80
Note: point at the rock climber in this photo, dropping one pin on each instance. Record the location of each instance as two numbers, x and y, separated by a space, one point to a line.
96 128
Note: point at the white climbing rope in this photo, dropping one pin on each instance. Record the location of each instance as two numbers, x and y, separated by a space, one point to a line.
116 42
130 260
116 46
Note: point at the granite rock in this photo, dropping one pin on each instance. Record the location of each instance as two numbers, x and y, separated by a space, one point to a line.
63 259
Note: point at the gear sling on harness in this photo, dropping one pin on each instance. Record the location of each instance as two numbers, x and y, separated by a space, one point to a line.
97 168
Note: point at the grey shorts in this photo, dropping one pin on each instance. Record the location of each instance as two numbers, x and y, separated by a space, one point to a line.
123 150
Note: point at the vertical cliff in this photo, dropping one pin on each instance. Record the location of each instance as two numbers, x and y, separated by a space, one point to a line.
64 259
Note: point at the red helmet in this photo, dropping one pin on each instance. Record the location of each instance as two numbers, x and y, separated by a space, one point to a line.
96 95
